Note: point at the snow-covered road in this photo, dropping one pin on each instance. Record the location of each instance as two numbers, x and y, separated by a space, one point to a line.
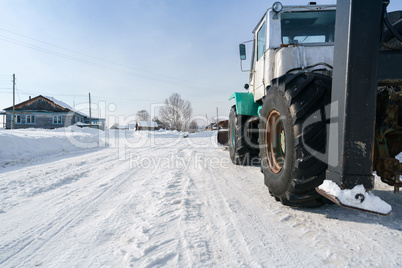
165 200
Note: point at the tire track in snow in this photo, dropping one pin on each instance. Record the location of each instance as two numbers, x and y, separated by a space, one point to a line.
236 238
177 216
50 231
162 210
201 216
251 232
200 245
195 242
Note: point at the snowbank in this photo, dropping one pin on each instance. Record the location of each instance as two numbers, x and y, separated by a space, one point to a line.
26 145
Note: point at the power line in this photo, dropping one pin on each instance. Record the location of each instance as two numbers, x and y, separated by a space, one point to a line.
17 42
74 51
154 77
81 95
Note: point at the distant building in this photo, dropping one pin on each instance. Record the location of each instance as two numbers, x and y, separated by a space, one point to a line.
159 123
146 125
48 113
211 126
121 127
3 114
95 122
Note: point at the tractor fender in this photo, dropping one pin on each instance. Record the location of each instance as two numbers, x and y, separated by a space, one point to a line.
245 104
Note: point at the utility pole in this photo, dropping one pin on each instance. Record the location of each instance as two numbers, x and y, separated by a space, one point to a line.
217 119
13 117
90 116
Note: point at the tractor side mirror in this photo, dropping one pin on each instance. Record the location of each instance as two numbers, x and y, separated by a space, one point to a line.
242 48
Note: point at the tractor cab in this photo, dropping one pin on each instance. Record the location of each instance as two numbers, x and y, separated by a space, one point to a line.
291 39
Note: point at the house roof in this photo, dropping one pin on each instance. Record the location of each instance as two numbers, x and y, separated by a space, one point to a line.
58 103
159 122
81 124
117 126
147 124
64 105
97 118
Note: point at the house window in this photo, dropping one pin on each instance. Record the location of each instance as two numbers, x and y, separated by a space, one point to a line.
30 119
57 119
17 119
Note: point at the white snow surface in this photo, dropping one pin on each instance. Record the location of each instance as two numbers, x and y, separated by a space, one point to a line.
348 197
156 199
26 145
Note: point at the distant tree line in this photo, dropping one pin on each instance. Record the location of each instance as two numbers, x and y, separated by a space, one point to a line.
176 113
143 115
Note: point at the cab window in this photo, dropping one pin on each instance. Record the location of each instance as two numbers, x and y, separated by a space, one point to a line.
308 27
261 41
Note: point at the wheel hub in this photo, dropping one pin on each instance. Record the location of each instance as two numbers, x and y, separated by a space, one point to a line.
275 141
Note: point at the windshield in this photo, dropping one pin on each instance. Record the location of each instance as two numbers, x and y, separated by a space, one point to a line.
308 27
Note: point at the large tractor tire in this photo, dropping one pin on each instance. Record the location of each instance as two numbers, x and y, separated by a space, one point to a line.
243 148
291 172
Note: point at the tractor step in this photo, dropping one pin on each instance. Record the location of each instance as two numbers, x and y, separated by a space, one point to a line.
356 198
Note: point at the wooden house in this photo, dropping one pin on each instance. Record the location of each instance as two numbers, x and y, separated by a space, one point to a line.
159 123
95 122
120 127
146 125
44 112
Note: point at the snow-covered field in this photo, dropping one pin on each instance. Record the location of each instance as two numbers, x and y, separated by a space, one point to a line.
83 198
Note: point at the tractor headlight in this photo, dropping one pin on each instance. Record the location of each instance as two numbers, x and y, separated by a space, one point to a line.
277 7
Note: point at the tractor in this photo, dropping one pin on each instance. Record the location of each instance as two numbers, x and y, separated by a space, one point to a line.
323 101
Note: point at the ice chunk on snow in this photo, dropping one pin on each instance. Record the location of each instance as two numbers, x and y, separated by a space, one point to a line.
356 198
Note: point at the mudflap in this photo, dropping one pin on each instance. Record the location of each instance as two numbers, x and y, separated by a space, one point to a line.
356 198
223 134
223 137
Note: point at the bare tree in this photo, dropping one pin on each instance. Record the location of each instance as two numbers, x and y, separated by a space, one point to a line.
142 115
193 126
176 112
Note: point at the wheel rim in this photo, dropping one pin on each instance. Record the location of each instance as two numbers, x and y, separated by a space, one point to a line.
275 141
233 136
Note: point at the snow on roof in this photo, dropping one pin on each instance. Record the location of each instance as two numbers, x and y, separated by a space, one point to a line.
117 126
81 124
147 124
64 105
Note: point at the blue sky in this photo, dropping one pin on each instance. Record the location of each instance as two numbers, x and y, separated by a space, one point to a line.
130 55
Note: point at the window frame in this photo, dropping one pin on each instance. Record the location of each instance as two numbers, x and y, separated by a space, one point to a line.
57 116
325 30
263 30
15 118
30 116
